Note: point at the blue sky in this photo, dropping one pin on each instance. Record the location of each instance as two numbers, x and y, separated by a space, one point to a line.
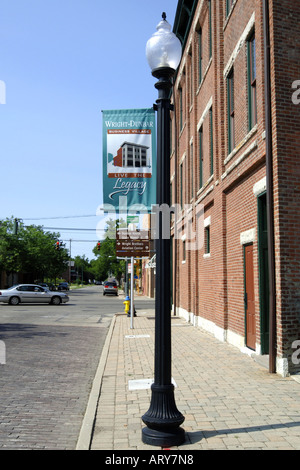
62 62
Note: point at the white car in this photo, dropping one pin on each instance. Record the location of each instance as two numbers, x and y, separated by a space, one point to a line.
31 293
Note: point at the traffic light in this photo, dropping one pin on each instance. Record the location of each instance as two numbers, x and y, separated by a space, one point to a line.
15 227
98 246
57 245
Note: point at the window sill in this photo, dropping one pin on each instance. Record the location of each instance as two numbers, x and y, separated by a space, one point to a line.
205 185
182 129
229 15
240 145
252 147
204 76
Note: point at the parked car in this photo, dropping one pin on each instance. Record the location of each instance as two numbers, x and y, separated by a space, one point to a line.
63 286
31 293
110 287
47 286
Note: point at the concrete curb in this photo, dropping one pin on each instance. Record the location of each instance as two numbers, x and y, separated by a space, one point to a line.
85 435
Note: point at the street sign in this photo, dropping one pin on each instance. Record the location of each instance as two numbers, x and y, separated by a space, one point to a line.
134 245
133 219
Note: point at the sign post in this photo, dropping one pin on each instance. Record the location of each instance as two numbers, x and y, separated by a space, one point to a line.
132 244
132 293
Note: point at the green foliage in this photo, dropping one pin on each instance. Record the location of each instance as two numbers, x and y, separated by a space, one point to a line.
107 263
83 269
30 250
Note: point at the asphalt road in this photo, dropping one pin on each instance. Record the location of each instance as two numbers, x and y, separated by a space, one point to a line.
51 356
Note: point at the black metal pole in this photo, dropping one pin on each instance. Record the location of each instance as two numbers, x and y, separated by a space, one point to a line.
163 419
270 202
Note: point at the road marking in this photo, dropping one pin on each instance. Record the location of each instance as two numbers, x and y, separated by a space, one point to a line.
137 336
143 384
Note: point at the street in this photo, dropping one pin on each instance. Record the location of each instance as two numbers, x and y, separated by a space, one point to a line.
52 353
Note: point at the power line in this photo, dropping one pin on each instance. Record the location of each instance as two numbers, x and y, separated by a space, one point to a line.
72 240
73 228
61 217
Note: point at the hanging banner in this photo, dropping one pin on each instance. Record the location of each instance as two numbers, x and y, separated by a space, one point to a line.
129 158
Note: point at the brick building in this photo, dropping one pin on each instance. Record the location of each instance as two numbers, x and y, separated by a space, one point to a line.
235 154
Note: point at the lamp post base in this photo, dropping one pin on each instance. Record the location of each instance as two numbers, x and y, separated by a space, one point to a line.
166 438
163 419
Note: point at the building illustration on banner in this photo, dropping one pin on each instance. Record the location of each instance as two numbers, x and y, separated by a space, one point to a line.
131 159
132 155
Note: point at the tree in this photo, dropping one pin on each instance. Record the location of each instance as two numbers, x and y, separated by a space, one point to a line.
83 268
107 263
30 250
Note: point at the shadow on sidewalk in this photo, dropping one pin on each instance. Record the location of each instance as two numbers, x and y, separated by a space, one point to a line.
196 436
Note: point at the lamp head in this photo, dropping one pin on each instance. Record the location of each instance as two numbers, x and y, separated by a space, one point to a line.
163 49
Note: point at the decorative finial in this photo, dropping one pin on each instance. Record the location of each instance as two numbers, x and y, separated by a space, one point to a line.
164 16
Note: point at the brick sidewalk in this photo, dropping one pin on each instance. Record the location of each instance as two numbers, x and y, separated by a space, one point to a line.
228 400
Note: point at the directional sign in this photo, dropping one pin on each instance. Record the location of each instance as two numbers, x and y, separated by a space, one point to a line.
132 248
132 245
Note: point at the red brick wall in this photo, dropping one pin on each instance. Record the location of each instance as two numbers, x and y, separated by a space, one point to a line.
213 287
241 209
285 20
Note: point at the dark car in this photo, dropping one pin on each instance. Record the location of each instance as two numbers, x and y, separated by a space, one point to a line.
47 286
110 287
63 286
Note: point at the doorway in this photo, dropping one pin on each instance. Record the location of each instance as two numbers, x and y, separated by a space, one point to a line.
249 297
263 272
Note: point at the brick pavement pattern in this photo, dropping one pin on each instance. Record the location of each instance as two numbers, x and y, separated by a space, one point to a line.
45 384
229 401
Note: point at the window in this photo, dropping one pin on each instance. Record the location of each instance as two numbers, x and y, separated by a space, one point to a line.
230 100
129 156
207 223
144 157
201 157
211 142
180 108
207 240
23 288
252 108
229 4
181 185
183 251
137 161
134 156
37 289
192 169
191 78
200 55
210 28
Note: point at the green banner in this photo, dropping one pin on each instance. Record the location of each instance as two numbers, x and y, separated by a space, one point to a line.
129 159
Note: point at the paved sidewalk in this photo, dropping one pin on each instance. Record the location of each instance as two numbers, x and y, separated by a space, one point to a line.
229 401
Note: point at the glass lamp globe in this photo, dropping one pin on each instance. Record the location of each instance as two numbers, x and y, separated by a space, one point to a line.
163 49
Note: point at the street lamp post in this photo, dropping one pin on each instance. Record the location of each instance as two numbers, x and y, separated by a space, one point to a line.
163 419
